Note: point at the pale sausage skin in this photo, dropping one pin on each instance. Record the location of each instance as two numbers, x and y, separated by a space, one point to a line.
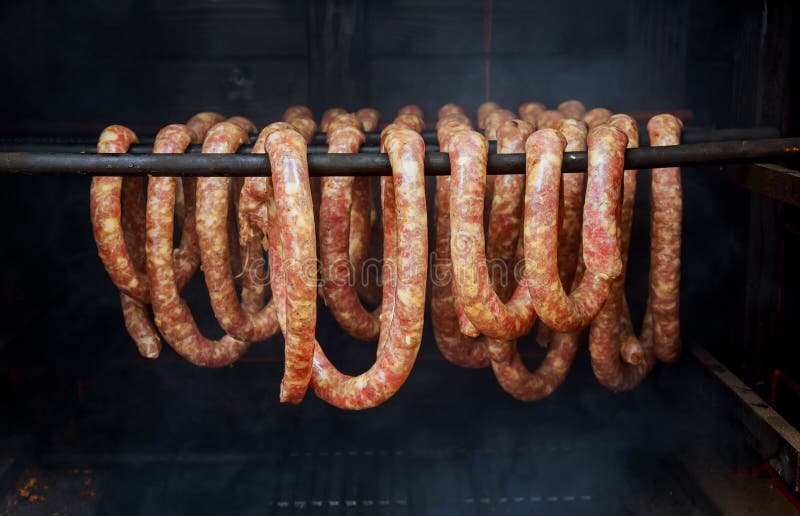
336 211
544 151
405 256
328 116
597 116
548 119
621 361
530 110
297 112
450 109
571 213
411 109
471 283
244 123
483 111
572 109
246 321
456 347
293 258
446 129
369 118
505 216
200 123
665 247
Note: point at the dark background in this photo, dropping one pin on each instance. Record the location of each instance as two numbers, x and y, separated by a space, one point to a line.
75 67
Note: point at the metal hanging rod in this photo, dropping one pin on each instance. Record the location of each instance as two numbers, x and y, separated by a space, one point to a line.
89 145
57 164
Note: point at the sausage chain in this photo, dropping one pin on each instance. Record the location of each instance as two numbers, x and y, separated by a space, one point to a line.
471 282
338 269
403 306
611 331
544 151
455 346
529 112
172 315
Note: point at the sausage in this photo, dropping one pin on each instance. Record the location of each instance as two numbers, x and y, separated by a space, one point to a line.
338 272
530 110
544 151
459 348
450 109
505 216
547 119
483 111
447 128
572 109
328 116
612 332
244 123
571 213
411 109
405 257
212 216
172 315
494 120
596 116
293 258
297 112
665 246
369 118
413 122
471 284
201 123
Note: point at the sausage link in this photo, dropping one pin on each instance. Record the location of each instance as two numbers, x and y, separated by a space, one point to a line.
445 133
328 116
293 258
570 214
241 322
621 361
483 111
494 120
530 110
244 123
449 109
665 246
200 123
456 347
597 116
369 118
572 109
544 150
411 109
548 119
471 283
405 256
297 112
338 272
172 315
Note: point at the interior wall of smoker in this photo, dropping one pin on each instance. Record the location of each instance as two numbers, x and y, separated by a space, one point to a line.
75 67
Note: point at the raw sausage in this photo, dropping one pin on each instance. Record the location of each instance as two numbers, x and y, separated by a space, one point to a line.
483 111
472 287
449 109
548 119
328 116
611 331
338 272
172 315
544 150
596 116
530 110
665 246
405 256
212 216
411 109
369 118
572 109
201 123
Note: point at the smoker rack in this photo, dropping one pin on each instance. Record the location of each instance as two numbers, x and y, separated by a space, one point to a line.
54 157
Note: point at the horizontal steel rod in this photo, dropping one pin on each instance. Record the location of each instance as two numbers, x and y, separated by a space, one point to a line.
25 163
318 145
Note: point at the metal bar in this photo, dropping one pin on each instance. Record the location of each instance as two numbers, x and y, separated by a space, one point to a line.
773 181
14 163
83 144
